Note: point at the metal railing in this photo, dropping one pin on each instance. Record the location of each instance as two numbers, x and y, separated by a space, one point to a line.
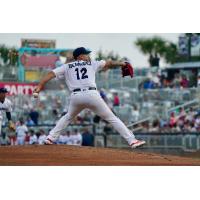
8 73
186 106
139 122
185 142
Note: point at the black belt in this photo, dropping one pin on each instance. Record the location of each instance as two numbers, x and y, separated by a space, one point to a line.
79 89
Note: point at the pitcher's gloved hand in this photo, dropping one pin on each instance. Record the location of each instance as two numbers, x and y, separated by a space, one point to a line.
127 70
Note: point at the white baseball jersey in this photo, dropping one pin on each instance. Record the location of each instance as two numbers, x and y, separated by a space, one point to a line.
33 139
41 139
21 130
77 139
6 106
79 74
64 139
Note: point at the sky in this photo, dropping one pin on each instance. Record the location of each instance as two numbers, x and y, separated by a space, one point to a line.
121 43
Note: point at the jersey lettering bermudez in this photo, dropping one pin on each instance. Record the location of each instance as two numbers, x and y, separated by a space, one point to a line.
79 74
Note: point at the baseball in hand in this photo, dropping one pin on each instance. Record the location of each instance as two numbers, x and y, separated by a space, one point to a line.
35 95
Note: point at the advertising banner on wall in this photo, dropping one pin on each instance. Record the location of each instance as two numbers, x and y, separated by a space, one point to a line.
19 88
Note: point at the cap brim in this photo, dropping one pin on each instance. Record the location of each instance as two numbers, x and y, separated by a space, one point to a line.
88 52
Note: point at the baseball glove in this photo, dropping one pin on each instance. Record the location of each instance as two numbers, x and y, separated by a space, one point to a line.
127 70
11 126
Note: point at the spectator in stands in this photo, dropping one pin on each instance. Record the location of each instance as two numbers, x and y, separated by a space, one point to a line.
193 79
182 113
87 138
175 128
184 82
34 115
198 81
166 83
155 126
197 122
103 95
162 78
162 122
116 101
180 122
172 120
176 81
156 81
33 137
29 122
192 127
4 139
87 116
145 127
64 138
21 131
76 138
12 137
27 106
27 138
69 138
42 137
165 128
186 126
135 113
191 115
148 84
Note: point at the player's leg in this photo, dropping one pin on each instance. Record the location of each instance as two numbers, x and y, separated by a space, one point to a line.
73 110
100 108
20 140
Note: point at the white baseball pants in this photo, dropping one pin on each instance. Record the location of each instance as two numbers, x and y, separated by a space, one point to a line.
92 100
21 140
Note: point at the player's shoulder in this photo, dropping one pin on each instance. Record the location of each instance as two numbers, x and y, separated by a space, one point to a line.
8 101
64 65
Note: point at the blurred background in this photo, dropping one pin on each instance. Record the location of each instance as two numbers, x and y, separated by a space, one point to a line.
160 104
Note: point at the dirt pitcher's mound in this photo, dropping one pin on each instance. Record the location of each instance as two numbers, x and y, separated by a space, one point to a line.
73 155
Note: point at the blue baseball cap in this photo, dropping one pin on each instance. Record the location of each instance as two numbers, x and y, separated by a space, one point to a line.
3 90
80 50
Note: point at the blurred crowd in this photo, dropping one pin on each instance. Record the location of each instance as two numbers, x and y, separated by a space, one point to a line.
158 80
27 136
32 115
179 122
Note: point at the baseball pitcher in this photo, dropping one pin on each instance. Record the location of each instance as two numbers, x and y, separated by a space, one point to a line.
80 79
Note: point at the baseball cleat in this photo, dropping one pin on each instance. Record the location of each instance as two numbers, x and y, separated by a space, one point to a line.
137 143
48 142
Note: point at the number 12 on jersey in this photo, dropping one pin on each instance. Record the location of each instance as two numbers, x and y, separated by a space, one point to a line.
83 73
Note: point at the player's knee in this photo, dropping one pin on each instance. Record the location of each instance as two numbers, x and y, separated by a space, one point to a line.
67 117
